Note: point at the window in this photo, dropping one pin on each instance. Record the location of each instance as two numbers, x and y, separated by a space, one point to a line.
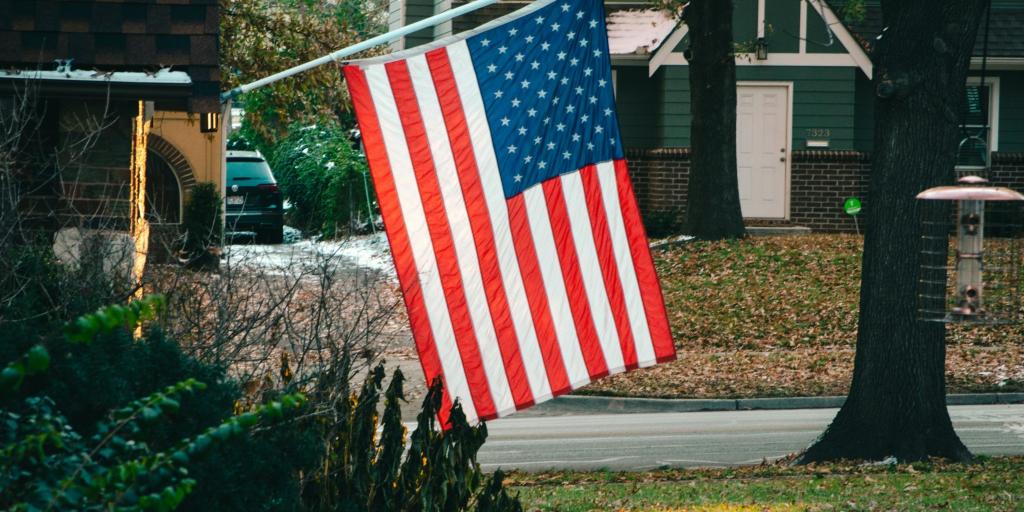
980 132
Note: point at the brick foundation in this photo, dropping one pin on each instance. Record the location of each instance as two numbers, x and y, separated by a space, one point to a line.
820 183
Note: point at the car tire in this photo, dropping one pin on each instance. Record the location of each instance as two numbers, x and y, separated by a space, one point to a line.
273 235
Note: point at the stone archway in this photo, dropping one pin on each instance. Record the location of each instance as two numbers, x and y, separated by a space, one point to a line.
168 178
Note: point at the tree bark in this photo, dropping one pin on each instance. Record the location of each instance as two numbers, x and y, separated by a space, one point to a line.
897 401
713 199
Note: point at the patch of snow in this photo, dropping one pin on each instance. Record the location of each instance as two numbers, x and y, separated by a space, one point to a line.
329 165
369 252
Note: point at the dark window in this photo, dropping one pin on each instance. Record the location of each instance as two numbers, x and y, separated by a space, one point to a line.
976 127
250 170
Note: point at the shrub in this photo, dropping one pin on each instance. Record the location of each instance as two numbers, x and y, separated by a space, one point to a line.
46 463
325 179
366 472
202 227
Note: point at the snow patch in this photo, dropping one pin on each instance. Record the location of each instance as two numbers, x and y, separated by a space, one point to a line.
369 252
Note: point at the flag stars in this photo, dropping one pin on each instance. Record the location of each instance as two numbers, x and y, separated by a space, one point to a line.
569 109
598 129
525 84
583 43
570 36
527 159
579 15
607 112
560 127
542 165
515 102
513 31
584 118
509 75
551 145
573 61
539 19
564 81
561 55
593 99
498 94
602 82
535 65
587 72
522 130
545 45
542 93
531 112
593 23
590 146
505 121
529 39
575 137
554 100
555 27
579 90
512 148
566 155
537 141
547 120
552 75
485 42
597 53
492 68
519 57
518 178
565 7
502 49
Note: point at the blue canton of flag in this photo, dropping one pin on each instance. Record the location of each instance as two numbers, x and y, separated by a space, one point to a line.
547 89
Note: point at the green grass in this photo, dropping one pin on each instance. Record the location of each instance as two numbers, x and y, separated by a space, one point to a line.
995 484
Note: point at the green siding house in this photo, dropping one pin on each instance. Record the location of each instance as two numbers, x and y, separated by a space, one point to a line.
805 103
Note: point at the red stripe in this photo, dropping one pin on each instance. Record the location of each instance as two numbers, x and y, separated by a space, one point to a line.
609 266
650 289
441 237
537 297
394 224
480 221
569 260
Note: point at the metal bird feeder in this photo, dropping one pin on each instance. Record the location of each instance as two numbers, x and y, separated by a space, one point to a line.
973 276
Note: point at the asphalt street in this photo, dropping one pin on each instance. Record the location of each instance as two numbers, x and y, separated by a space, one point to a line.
703 439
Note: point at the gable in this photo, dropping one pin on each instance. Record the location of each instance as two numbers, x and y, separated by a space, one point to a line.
797 32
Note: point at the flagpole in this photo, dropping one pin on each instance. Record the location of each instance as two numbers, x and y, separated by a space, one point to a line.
358 47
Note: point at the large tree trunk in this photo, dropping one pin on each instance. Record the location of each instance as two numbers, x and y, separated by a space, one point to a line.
713 198
897 401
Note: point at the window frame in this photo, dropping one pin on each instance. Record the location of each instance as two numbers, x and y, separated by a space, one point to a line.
992 82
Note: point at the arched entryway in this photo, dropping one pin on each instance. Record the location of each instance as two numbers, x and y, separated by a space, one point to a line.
168 177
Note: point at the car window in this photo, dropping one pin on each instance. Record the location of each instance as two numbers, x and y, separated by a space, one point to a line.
249 169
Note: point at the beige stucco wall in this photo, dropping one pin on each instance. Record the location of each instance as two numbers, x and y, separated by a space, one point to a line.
204 151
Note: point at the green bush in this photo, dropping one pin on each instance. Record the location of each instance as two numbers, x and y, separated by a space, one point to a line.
47 463
325 179
202 227
366 472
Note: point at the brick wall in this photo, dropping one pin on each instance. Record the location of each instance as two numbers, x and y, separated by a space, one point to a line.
820 182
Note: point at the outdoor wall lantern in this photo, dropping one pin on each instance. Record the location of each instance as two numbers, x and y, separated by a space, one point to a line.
969 278
209 122
761 49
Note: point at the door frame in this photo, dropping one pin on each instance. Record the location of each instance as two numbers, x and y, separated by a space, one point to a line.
789 139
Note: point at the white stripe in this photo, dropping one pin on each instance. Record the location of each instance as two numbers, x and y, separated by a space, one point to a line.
419 237
624 262
590 270
462 234
554 286
490 180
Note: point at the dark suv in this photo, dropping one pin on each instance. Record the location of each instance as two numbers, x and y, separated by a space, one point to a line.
253 200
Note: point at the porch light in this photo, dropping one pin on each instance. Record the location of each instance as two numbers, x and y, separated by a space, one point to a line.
968 278
761 49
209 122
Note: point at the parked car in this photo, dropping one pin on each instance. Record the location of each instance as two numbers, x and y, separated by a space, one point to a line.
253 201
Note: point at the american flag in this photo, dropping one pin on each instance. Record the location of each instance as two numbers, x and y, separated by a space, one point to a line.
499 171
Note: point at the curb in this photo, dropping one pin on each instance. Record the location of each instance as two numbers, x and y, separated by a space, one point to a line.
572 404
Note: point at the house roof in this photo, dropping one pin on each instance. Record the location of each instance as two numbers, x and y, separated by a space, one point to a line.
1005 39
117 36
638 32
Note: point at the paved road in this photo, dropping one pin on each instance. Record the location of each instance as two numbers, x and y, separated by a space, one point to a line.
705 439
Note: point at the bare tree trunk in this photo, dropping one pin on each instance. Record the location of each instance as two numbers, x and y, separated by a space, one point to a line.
713 199
897 401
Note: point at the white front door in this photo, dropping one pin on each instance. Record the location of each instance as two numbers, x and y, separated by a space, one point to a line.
762 142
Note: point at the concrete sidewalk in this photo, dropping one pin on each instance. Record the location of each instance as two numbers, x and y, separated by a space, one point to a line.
575 405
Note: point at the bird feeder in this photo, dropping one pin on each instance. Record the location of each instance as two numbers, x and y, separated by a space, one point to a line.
973 276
